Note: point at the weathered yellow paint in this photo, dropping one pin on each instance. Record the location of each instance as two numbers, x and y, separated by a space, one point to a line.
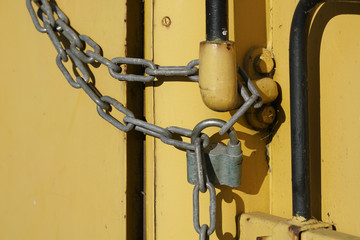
269 227
262 190
280 148
62 167
340 116
150 220
259 62
267 89
333 92
265 62
179 103
326 234
219 90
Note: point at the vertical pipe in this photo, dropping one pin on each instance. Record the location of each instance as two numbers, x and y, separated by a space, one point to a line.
299 109
217 20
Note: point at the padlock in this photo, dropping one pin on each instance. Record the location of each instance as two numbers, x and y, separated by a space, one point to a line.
222 163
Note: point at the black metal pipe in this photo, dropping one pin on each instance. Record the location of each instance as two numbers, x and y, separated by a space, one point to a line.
299 109
217 20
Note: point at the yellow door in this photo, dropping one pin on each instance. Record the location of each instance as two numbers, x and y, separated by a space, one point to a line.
65 173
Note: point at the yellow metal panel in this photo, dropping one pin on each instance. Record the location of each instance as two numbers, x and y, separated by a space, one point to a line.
340 116
178 103
336 182
270 27
150 142
62 168
280 148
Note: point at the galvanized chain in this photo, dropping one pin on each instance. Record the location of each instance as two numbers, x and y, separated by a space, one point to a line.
201 186
56 24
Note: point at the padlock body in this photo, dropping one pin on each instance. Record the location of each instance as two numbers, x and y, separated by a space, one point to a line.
222 167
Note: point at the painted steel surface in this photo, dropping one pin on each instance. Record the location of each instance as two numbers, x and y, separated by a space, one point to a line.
62 168
265 188
168 195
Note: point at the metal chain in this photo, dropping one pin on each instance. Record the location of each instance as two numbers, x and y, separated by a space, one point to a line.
56 24
202 185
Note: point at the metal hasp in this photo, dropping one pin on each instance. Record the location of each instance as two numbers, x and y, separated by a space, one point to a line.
217 62
221 164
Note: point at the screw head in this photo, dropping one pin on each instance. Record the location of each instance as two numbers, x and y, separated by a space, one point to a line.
166 21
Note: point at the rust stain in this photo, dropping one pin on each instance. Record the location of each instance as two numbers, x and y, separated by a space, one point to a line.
295 230
228 46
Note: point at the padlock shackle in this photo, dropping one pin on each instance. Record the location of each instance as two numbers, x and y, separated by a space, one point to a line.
213 123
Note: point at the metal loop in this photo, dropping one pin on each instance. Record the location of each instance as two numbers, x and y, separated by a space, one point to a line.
66 73
243 92
181 131
171 71
169 141
59 12
94 95
148 126
54 39
200 165
118 106
114 67
80 54
213 123
165 136
46 9
43 9
203 232
194 78
258 101
177 143
34 17
251 87
132 77
69 33
190 69
212 208
241 111
193 63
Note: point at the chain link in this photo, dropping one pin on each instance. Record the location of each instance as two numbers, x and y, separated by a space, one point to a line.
56 25
212 210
